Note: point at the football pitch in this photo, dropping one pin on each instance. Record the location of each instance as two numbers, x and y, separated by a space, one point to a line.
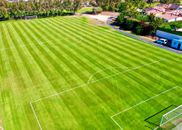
68 73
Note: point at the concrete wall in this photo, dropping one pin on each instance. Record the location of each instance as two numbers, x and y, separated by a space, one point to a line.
175 19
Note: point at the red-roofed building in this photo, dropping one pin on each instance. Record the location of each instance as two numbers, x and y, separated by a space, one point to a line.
169 12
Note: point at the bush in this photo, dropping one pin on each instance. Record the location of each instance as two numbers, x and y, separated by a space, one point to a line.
139 29
142 18
130 24
97 10
120 19
108 8
143 28
141 25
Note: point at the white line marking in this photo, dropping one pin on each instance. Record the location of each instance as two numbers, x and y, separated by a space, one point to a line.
60 93
128 70
82 85
116 123
35 116
90 78
87 83
127 109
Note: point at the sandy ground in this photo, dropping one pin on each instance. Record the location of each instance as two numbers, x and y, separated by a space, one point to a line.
99 17
103 17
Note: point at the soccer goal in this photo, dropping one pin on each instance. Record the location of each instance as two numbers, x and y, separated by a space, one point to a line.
172 120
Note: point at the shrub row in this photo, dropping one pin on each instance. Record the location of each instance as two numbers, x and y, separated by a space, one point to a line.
45 8
136 26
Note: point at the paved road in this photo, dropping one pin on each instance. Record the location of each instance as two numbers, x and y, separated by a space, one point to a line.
142 39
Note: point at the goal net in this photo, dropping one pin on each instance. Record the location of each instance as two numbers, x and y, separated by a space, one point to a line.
172 120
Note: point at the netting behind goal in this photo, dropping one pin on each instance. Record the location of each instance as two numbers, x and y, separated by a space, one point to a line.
172 120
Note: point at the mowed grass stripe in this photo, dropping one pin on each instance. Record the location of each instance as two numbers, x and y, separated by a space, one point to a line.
121 37
70 54
48 85
26 58
37 74
159 69
26 82
106 42
14 83
148 105
94 41
2 70
6 69
51 67
32 75
118 35
45 43
45 68
104 89
86 115
74 98
24 67
52 120
81 45
65 60
150 48
74 47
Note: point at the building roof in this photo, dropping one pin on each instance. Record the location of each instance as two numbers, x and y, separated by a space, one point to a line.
166 11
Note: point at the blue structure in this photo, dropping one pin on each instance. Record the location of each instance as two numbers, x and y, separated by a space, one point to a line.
175 40
177 44
167 35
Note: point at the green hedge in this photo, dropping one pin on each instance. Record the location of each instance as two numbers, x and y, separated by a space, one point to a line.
170 27
136 26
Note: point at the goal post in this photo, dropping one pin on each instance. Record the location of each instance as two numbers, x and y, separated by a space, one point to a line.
172 120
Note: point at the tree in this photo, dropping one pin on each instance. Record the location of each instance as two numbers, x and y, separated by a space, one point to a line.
155 23
111 5
171 1
3 10
41 8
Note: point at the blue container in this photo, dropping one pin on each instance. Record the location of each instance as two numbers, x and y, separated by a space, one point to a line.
177 44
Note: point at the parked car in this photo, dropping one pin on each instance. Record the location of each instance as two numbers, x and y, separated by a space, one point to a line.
162 41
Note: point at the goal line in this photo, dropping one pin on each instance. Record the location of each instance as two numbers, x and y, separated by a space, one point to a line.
134 106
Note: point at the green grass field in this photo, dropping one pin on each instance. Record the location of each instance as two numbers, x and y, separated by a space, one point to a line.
65 73
85 10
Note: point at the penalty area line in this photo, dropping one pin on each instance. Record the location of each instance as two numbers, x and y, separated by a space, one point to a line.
87 83
125 71
36 117
127 109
